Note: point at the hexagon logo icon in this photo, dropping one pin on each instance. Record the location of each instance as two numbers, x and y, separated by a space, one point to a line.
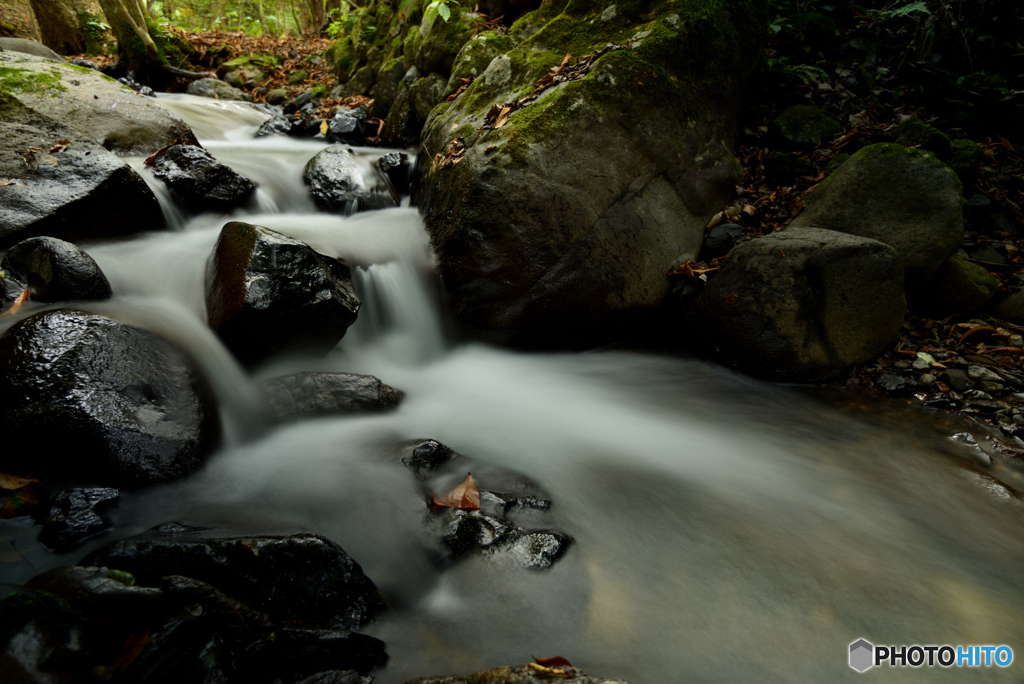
862 655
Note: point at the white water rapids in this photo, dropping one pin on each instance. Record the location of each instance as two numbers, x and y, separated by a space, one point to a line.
726 530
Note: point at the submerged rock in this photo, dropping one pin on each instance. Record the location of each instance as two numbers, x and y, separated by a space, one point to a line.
302 396
903 197
267 294
801 305
298 577
426 455
75 192
54 270
74 516
200 182
95 106
112 404
337 183
465 531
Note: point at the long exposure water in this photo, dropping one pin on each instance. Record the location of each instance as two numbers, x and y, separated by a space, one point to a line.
726 530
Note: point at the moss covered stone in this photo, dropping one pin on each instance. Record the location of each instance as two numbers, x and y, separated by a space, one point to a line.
806 125
438 42
966 159
341 57
916 133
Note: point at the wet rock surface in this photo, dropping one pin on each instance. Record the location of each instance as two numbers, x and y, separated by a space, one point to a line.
81 191
396 168
297 577
54 270
902 197
426 455
200 182
801 305
95 106
75 516
302 396
516 674
337 183
40 634
216 89
267 294
118 405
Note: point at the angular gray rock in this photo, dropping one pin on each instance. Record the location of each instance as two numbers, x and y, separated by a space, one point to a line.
216 89
96 106
75 192
903 197
110 404
267 293
200 182
801 305
338 183
302 396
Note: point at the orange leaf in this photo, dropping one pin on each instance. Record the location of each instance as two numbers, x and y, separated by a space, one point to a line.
18 303
541 671
557 661
466 496
8 481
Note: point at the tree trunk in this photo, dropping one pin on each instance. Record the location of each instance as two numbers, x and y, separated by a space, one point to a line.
136 50
317 15
63 24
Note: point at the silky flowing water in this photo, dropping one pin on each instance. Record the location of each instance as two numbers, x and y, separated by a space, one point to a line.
726 530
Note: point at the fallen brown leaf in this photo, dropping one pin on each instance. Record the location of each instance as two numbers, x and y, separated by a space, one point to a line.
465 497
18 303
8 481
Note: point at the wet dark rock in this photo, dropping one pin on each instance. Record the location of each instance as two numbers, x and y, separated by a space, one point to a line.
87 63
81 192
957 379
465 531
267 293
101 596
277 125
216 89
136 86
515 674
720 240
801 305
427 455
302 577
299 102
900 196
348 126
337 183
290 652
75 516
396 168
504 503
200 182
40 638
302 396
118 405
54 270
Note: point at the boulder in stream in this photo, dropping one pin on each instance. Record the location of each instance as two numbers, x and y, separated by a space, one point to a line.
54 271
216 89
801 305
75 516
302 577
267 293
302 396
96 107
98 401
59 185
338 183
200 182
903 197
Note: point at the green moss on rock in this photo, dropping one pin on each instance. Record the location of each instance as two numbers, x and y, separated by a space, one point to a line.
806 125
966 158
916 133
17 81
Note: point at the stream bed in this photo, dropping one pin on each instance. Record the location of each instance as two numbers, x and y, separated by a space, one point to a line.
725 529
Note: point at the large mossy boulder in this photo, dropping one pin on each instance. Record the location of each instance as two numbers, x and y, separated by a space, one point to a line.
800 305
901 196
557 227
74 192
302 577
267 293
95 106
97 401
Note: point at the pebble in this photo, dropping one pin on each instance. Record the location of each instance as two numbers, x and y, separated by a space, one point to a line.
927 379
921 364
982 373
